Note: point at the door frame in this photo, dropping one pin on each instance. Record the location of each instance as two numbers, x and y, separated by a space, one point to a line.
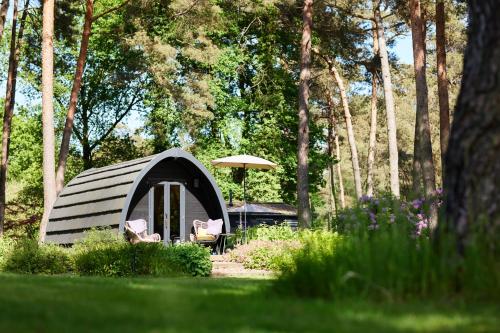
166 210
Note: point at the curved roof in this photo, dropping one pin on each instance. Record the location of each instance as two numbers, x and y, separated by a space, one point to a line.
102 197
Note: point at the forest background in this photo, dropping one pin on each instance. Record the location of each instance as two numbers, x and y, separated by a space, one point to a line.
219 78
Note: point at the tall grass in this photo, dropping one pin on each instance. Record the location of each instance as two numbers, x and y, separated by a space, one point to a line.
389 257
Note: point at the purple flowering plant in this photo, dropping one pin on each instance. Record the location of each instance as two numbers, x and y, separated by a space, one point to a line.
375 214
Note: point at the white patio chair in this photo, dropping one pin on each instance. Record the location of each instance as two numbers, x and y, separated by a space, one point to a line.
136 231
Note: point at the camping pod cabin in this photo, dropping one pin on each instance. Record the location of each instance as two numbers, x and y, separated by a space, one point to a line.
169 190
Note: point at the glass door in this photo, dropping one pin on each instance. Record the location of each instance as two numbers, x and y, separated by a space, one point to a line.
175 212
167 211
158 210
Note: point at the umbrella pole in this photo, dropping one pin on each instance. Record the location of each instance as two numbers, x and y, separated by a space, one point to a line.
244 204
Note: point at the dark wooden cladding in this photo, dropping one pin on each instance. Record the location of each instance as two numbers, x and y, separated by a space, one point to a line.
93 199
107 187
97 195
102 182
86 181
87 202
95 171
84 222
110 171
62 214
68 238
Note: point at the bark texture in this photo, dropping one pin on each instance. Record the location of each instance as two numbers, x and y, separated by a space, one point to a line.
339 170
472 174
304 209
10 100
442 81
422 125
350 131
332 135
3 16
49 177
417 177
372 143
77 82
389 104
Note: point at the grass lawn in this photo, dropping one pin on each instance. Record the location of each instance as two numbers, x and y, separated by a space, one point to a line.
78 304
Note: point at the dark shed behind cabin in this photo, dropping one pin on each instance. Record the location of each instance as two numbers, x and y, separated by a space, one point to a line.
269 213
111 195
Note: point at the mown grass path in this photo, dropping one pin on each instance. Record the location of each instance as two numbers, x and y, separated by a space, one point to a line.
80 304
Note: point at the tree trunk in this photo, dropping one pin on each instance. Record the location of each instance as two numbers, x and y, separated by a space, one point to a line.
10 100
416 166
417 172
339 170
3 16
7 118
472 160
422 131
372 144
350 131
331 174
87 155
49 179
77 81
389 105
304 209
442 80
331 153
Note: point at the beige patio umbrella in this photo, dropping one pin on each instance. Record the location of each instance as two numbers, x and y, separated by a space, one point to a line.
245 162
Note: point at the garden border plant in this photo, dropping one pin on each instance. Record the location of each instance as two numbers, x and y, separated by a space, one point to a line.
103 252
385 251
266 248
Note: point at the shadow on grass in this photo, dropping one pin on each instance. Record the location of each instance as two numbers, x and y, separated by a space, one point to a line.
82 304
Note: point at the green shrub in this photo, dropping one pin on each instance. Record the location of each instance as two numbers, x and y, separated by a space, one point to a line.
263 254
6 246
191 258
94 238
278 232
101 252
104 253
27 256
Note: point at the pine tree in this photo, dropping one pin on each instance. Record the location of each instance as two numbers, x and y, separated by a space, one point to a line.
304 209
49 178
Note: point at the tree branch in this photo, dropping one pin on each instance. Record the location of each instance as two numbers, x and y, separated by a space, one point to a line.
244 31
77 133
117 121
351 13
187 10
110 10
326 58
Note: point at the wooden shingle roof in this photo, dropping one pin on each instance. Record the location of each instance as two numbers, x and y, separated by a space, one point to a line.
94 198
